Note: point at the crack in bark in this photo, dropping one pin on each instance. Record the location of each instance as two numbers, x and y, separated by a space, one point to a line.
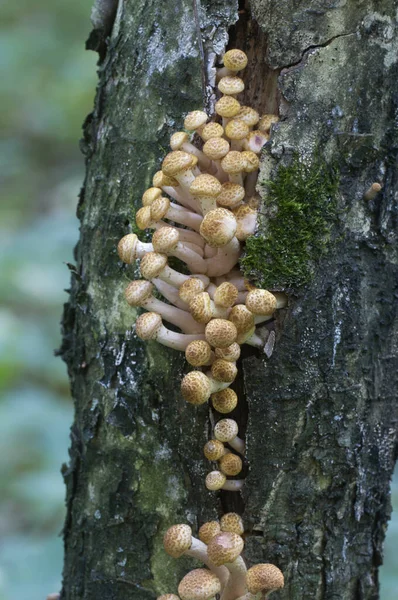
315 47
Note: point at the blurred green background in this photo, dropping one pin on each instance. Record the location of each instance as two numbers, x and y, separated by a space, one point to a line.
48 84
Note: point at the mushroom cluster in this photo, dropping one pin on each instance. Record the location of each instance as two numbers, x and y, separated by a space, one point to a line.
202 207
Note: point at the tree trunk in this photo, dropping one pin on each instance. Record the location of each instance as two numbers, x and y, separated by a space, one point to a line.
319 417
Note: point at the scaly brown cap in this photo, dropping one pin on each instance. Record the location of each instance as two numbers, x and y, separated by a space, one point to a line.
178 139
208 530
152 264
231 195
220 333
231 85
214 450
195 119
261 302
196 388
224 402
242 318
216 148
235 60
252 161
266 121
199 584
165 239
138 291
177 540
232 522
256 140
205 185
126 248
226 294
198 353
159 209
143 217
226 430
212 130
161 180
200 308
176 162
224 548
227 107
223 370
215 480
264 578
148 325
236 130
190 288
231 353
233 162
150 195
248 115
218 227
230 464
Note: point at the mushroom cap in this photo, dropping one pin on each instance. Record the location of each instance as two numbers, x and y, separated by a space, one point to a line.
226 430
190 288
248 115
216 148
226 294
231 195
159 208
264 577
195 119
231 85
231 353
168 597
233 162
256 140
246 218
261 302
178 139
235 60
232 522
150 195
236 129
126 248
208 530
205 185
218 227
212 130
266 121
223 370
215 480
214 450
200 308
224 548
196 388
138 291
165 239
242 318
177 540
143 217
227 106
199 584
176 162
224 402
147 325
160 179
220 333
252 161
198 353
230 464
152 264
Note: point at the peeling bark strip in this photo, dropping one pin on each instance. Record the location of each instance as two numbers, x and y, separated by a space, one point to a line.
322 412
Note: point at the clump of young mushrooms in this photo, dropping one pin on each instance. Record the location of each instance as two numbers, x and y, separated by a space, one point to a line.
202 208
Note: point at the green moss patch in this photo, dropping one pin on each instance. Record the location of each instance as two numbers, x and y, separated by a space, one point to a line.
298 214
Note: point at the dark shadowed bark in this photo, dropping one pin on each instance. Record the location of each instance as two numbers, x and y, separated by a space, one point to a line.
320 416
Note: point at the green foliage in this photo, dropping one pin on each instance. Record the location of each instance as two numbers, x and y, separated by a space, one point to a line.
299 212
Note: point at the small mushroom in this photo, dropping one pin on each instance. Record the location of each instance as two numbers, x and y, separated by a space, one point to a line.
226 431
149 326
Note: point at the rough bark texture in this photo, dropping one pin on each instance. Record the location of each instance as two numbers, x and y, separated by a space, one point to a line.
319 417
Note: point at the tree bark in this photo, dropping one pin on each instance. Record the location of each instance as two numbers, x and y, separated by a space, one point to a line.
320 416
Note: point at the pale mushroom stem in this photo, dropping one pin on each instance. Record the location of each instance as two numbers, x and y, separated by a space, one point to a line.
170 293
176 279
236 585
177 341
176 316
183 197
199 550
237 444
180 214
233 485
225 259
195 241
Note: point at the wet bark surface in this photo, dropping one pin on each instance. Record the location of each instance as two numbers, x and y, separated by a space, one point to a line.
320 416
